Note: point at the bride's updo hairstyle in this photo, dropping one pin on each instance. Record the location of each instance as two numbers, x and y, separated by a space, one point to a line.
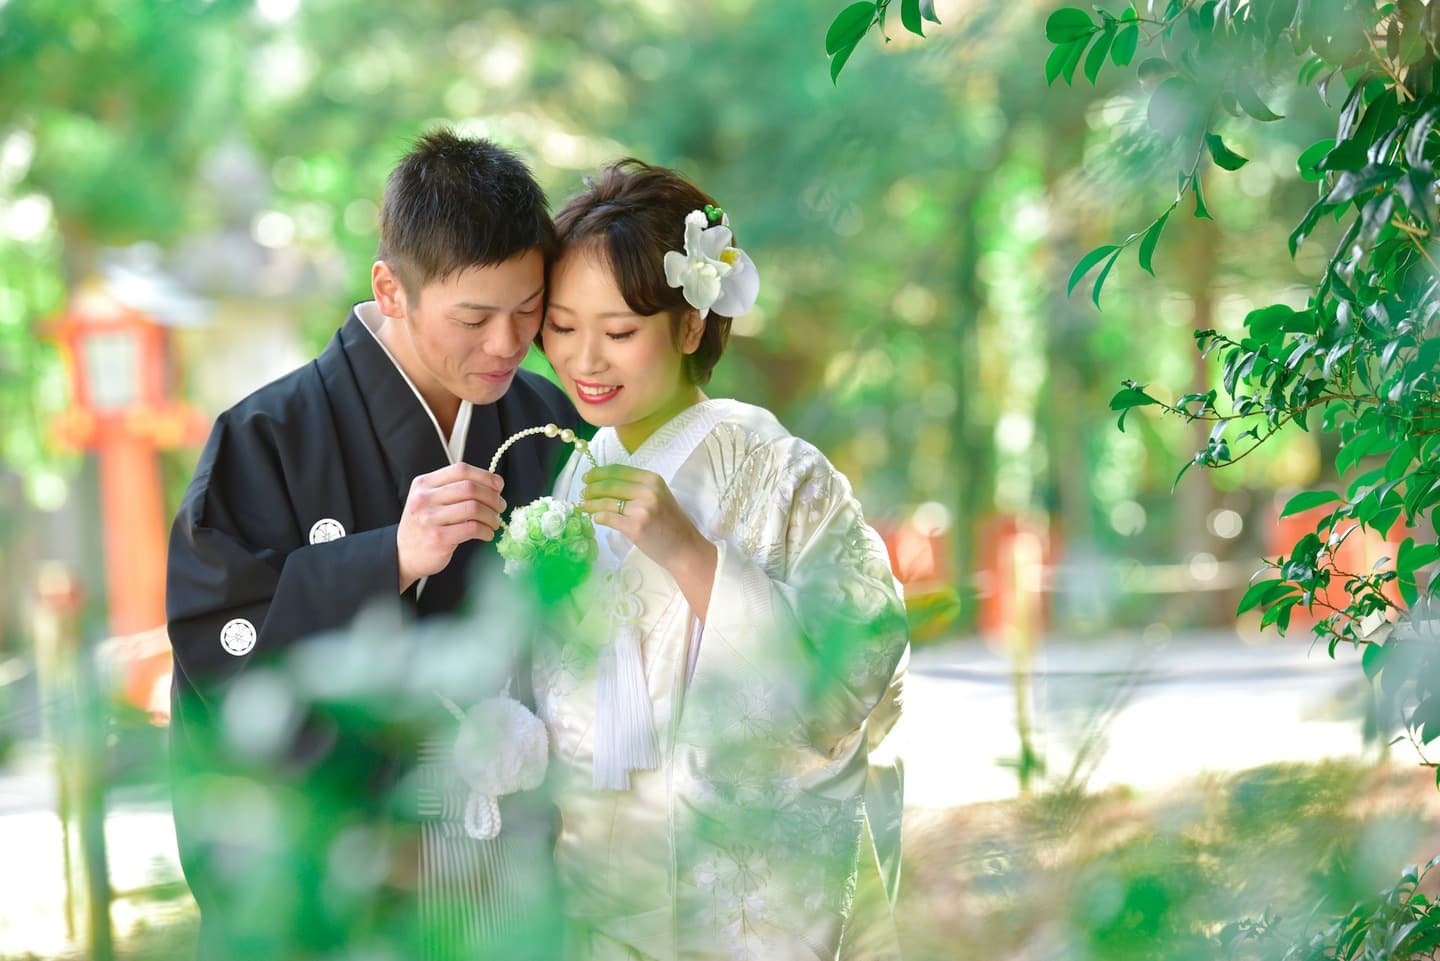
629 217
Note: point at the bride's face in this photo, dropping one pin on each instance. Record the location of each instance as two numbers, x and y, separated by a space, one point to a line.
622 369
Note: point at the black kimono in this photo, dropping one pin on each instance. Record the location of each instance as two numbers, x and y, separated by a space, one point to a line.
288 529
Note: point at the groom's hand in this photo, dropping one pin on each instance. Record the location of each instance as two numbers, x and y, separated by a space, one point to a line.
444 509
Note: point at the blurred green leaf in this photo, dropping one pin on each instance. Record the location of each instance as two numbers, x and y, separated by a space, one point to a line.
1306 500
1174 108
1126 41
910 17
1088 262
1250 102
1148 242
1154 71
848 27
1223 156
1069 24
1372 659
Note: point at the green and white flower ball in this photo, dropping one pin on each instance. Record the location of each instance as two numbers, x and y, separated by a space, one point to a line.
551 541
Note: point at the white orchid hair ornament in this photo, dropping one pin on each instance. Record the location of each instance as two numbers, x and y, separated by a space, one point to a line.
711 272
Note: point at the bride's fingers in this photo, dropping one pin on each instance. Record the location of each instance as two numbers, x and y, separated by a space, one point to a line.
619 481
598 505
611 520
618 472
614 491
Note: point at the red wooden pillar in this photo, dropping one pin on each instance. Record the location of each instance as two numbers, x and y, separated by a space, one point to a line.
132 504
1014 561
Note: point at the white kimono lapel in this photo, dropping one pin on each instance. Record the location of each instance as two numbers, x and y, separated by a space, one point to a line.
663 453
624 716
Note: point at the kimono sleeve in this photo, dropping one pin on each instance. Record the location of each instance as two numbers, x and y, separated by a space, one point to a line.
804 599
242 581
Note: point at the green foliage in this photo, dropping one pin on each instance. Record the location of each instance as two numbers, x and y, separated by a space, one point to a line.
30 288
105 112
1363 352
134 111
1072 31
846 33
1358 362
1113 876
852 24
1398 922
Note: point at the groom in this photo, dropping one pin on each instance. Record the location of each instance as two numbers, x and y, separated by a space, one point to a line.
350 482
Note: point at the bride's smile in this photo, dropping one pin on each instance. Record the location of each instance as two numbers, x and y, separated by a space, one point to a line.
596 393
622 368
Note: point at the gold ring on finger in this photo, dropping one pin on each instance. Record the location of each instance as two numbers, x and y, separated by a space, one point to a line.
621 508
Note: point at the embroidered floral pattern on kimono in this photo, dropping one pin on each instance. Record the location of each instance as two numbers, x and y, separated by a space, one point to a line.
746 843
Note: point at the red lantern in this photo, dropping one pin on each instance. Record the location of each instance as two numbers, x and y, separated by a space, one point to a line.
117 364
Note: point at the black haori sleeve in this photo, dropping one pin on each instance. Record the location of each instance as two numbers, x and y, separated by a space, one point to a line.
244 582
255 567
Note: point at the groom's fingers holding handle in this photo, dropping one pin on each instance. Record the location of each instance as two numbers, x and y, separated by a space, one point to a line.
443 509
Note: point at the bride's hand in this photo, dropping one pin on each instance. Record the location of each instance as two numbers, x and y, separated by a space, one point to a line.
639 504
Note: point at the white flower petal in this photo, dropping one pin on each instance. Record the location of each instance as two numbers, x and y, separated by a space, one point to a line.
739 289
702 287
675 264
694 227
714 241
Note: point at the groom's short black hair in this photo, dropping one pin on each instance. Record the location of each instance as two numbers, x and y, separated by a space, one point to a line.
456 202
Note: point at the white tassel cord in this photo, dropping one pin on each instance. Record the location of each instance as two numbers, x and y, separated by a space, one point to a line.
624 722
501 748
482 816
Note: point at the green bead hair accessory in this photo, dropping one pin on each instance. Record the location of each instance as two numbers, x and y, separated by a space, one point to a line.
714 214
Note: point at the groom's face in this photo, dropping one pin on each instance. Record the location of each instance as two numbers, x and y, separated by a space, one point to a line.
466 335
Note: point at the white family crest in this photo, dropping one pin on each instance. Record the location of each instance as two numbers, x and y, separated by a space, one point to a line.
326 529
238 636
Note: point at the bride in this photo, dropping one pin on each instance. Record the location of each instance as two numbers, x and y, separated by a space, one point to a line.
740 650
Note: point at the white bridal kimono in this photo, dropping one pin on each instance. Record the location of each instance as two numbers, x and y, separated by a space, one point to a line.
755 837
